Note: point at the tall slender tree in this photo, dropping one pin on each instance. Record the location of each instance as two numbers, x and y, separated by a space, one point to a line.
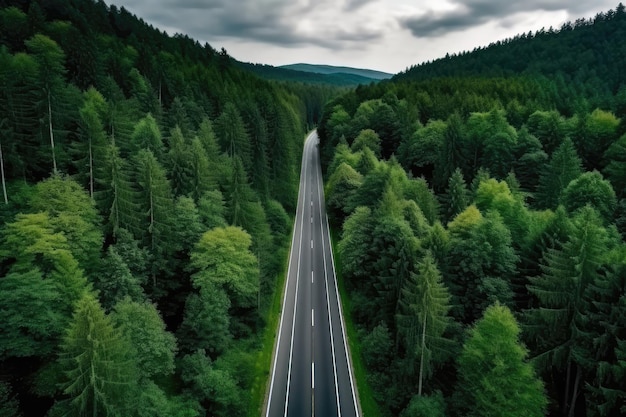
424 316
50 59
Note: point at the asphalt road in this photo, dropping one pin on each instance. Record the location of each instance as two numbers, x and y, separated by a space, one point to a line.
311 373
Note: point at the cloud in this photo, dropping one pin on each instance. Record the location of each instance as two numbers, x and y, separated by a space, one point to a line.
465 14
329 24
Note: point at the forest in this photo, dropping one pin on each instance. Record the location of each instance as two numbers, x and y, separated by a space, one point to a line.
148 190
480 219
148 186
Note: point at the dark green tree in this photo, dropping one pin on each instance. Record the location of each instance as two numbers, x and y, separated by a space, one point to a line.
100 373
423 318
50 61
557 323
564 166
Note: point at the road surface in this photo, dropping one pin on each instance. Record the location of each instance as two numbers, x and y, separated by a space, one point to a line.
311 373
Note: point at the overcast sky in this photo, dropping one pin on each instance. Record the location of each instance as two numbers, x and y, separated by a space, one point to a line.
386 35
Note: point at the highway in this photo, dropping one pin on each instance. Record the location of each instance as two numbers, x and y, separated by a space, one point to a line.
311 374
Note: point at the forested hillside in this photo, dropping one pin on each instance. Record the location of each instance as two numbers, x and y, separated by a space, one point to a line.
147 184
481 213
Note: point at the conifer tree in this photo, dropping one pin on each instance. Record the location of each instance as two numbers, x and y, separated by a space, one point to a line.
423 316
100 371
558 322
564 166
457 196
50 59
495 378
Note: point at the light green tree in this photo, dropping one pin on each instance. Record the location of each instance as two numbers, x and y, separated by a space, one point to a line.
495 378
222 257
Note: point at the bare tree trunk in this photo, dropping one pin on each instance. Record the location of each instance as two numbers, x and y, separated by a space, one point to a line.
4 185
567 383
90 169
421 376
54 159
572 407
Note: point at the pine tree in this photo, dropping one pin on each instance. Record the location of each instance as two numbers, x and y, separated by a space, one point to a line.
457 195
558 320
50 59
424 316
155 207
495 378
564 166
100 371
92 128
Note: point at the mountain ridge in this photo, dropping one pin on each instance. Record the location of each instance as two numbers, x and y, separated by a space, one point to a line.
331 69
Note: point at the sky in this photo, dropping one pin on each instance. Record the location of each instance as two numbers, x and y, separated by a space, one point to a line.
384 35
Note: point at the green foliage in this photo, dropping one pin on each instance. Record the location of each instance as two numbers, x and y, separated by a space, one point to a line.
142 325
9 406
423 318
340 190
494 376
99 368
32 327
430 406
222 258
367 139
214 387
590 189
564 166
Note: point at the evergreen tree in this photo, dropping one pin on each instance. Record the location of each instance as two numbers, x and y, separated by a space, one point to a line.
495 378
457 196
99 369
558 322
50 60
564 166
423 317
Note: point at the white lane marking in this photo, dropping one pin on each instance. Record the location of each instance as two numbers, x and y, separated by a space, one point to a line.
301 196
312 375
330 322
311 243
343 330
312 279
312 317
311 203
311 219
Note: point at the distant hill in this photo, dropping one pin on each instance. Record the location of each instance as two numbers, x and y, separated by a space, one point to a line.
329 69
337 79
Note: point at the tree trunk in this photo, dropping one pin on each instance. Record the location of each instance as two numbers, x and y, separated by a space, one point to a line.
4 185
572 408
54 159
567 383
90 169
421 376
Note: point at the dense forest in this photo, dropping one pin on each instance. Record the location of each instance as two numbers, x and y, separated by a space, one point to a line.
147 183
480 209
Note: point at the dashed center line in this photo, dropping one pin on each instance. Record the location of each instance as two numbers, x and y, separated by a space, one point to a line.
311 243
312 317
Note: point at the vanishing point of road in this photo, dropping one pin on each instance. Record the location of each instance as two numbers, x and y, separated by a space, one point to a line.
311 373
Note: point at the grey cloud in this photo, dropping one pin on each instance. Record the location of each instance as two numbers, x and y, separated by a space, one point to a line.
268 21
472 13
